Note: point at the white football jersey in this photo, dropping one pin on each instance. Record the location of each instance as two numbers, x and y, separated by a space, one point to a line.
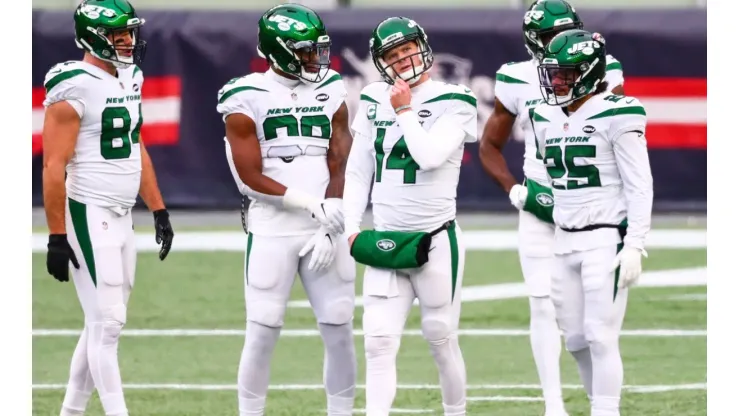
578 154
105 169
518 89
293 128
404 197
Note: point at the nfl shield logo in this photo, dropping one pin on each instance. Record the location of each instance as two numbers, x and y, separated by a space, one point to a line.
294 96
565 126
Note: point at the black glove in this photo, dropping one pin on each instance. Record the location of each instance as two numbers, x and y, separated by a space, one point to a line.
164 232
58 257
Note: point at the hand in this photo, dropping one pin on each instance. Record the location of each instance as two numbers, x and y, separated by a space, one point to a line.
329 214
164 232
352 240
629 261
518 196
400 94
58 257
323 246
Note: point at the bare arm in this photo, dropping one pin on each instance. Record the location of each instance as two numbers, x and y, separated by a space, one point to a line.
61 126
495 135
339 147
245 149
149 190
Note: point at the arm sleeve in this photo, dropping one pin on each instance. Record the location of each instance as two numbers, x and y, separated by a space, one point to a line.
630 152
243 188
430 149
69 91
230 102
357 182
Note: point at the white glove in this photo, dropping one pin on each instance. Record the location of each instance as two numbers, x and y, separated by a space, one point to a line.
518 195
629 260
324 246
327 212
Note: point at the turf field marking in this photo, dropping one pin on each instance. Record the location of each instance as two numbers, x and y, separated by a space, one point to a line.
696 276
505 399
303 387
473 240
396 411
490 332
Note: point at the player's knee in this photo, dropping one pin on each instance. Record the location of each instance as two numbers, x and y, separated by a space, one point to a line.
600 338
541 309
378 346
575 342
435 329
266 313
338 311
114 318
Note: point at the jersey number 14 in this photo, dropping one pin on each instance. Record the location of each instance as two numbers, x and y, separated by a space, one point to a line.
399 158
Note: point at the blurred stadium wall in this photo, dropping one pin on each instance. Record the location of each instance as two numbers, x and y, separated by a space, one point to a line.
195 46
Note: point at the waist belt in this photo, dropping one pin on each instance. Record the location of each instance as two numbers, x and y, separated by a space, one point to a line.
293 151
620 227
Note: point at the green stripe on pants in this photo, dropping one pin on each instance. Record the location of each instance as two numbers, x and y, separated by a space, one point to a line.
454 255
78 212
616 272
246 258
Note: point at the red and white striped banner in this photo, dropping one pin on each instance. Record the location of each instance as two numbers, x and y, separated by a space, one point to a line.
161 97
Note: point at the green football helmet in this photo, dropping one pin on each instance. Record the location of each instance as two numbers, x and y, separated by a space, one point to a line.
100 25
573 66
289 36
543 20
395 31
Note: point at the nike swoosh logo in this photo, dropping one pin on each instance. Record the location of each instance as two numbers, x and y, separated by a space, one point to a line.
54 72
630 101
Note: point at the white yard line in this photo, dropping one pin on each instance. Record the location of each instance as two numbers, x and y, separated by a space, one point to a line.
487 332
490 240
306 387
505 399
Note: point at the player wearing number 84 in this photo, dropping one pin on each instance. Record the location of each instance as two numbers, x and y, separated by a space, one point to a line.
91 132
593 145
408 146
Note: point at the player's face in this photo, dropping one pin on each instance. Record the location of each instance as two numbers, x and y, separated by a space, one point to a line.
561 79
403 57
312 57
123 41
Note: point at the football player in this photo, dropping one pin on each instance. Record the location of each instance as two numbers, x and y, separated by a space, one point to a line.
410 132
592 143
92 132
287 142
517 92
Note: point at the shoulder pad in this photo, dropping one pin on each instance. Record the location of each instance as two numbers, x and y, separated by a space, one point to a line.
457 92
71 72
375 92
252 82
509 73
612 63
332 78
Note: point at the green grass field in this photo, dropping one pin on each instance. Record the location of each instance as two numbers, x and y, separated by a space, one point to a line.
194 373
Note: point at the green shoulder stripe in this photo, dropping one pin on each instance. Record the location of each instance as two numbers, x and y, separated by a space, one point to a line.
639 110
237 90
454 96
509 80
333 78
136 69
614 65
368 98
63 76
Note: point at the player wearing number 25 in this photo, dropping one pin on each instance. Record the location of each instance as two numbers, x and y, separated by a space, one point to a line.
594 149
408 146
92 133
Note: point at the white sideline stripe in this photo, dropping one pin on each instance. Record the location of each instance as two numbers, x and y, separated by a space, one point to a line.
395 411
505 399
489 240
357 332
662 278
630 388
676 110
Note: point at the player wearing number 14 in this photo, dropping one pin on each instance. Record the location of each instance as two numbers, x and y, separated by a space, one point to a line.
408 146
595 152
92 133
